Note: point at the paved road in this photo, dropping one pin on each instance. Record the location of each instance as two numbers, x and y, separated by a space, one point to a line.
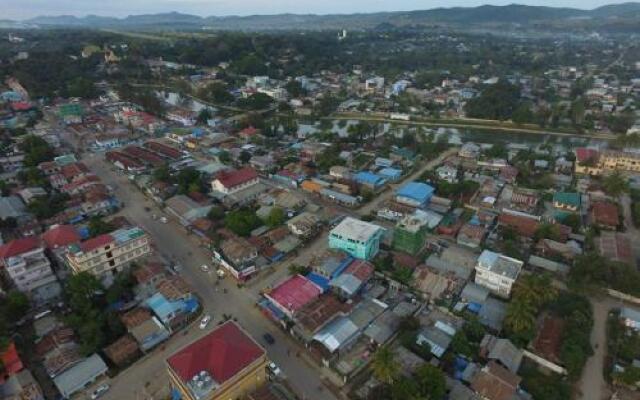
378 201
173 242
592 385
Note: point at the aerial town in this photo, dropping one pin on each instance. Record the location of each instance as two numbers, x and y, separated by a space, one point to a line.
386 213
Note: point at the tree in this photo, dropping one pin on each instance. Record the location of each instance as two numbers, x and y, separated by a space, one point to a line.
275 218
16 305
257 101
98 226
615 184
497 101
242 221
36 150
162 174
204 115
81 290
244 157
520 319
522 114
82 87
294 88
385 367
431 382
216 213
216 92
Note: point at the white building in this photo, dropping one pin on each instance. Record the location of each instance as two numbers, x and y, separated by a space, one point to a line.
229 182
30 270
497 272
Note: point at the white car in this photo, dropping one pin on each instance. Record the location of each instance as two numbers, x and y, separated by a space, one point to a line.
164 220
100 390
205 321
204 268
274 369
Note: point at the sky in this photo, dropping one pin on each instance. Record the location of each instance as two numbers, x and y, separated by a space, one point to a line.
23 9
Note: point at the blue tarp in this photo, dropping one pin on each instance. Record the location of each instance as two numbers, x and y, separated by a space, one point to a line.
474 307
319 280
191 305
83 231
175 394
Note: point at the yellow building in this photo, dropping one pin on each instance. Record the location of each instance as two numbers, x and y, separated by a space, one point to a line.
105 253
226 364
609 161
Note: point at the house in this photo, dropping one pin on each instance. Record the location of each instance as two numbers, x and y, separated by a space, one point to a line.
502 351
13 207
304 225
224 364
548 340
30 194
390 174
171 312
229 182
293 294
350 282
123 351
604 215
497 272
415 194
438 336
494 382
30 270
185 209
471 235
146 329
80 375
447 173
108 252
469 150
331 264
359 238
10 361
317 314
616 246
370 180
523 224
148 276
239 252
21 386
630 318
566 201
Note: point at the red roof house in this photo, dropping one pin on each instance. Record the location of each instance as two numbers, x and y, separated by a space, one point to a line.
605 214
61 236
223 354
11 362
292 294
18 246
231 181
584 154
96 242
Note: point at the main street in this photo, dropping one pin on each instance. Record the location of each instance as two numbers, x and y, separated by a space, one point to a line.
148 376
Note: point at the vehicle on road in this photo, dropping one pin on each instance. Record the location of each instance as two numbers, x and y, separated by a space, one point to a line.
177 268
221 273
100 390
204 268
274 370
268 338
205 321
164 220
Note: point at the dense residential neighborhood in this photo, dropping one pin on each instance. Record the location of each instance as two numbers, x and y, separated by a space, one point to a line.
198 215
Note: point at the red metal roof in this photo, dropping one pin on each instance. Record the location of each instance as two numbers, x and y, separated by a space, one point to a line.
230 179
584 154
19 246
294 293
223 353
523 225
59 236
96 242
71 171
10 361
605 213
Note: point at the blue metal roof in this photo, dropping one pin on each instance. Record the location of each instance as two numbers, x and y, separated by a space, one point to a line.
416 190
164 308
390 172
369 178
319 280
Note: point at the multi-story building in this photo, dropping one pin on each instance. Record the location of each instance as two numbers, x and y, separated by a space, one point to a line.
592 162
30 270
229 182
410 233
106 253
359 238
497 272
225 364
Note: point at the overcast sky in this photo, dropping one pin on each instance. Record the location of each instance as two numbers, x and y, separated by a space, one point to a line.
21 9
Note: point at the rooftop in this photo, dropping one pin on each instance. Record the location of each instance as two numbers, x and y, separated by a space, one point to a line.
416 190
355 229
499 264
294 293
231 179
19 246
222 354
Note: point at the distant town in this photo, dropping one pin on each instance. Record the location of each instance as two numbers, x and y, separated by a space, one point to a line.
392 213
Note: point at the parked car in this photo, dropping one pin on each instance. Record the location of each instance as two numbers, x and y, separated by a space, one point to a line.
268 338
177 268
164 220
205 321
204 268
274 370
100 390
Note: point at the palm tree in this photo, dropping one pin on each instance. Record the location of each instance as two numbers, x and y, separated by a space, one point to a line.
521 316
385 367
535 290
